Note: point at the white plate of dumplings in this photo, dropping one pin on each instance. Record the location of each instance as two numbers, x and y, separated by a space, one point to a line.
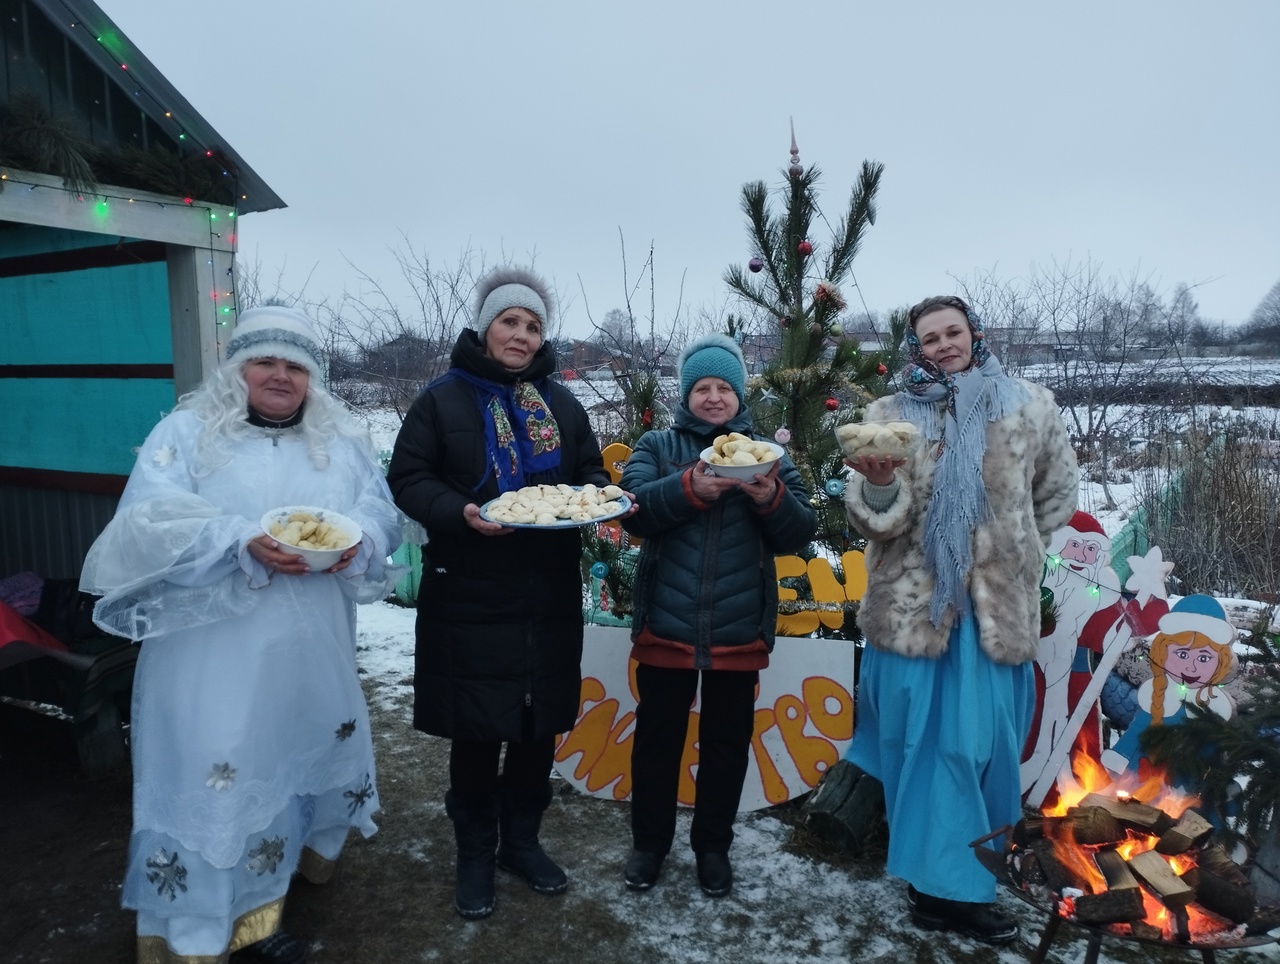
556 506
879 439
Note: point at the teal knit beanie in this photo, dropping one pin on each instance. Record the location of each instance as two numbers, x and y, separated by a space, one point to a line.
713 356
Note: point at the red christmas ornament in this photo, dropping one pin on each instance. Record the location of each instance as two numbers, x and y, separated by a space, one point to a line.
881 369
833 404
646 419
805 248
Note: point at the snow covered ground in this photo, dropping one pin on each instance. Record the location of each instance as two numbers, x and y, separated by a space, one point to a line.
786 907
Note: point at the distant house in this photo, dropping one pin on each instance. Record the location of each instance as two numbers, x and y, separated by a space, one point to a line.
115 299
406 357
585 358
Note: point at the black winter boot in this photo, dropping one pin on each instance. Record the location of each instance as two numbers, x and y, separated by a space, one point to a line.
520 853
475 828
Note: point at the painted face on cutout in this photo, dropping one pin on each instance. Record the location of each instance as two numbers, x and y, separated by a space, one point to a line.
1083 551
713 400
277 386
513 337
1190 665
946 339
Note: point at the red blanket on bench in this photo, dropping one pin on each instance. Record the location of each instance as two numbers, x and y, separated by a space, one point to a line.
21 639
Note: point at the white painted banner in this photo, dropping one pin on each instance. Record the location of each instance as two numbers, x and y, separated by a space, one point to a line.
804 720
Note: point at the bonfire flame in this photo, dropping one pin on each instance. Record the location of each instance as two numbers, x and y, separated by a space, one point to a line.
1086 775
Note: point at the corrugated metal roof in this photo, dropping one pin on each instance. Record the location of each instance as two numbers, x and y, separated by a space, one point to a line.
93 32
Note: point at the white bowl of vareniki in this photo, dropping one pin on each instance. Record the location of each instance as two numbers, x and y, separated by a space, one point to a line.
319 535
879 439
738 456
560 506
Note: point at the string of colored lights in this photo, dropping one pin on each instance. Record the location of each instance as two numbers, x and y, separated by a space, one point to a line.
223 310
111 43
1095 587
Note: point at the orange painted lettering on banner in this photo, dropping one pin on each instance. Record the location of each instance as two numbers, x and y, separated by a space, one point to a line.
812 755
826 588
592 729
818 693
614 762
793 624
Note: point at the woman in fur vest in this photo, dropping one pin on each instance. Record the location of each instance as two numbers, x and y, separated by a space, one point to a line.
499 631
956 537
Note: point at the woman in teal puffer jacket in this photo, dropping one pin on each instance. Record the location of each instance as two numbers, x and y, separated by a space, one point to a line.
706 600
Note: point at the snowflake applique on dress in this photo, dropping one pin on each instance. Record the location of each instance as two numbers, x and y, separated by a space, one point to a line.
265 857
168 875
345 731
358 798
164 456
221 776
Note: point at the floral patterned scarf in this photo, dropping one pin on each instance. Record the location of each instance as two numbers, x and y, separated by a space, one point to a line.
521 436
958 503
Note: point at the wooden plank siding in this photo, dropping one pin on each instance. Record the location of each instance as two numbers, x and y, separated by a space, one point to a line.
49 531
86 371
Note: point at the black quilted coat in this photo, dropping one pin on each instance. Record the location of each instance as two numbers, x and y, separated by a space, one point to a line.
705 577
499 625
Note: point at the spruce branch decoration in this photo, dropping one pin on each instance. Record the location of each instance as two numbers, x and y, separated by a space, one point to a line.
815 377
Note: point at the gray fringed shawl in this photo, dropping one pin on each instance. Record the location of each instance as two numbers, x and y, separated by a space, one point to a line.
958 502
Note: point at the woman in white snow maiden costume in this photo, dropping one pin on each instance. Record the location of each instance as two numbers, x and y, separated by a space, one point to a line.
499 631
956 540
251 749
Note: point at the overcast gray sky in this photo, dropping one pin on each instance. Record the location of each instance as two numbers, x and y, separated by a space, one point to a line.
1141 134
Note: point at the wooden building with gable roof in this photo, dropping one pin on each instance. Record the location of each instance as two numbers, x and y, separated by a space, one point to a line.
117 281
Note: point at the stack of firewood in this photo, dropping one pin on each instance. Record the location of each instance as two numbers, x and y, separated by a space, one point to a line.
1076 860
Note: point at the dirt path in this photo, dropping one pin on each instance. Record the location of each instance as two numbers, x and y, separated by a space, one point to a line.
63 840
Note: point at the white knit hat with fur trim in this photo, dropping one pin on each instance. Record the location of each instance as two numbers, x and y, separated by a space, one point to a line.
511 287
274 331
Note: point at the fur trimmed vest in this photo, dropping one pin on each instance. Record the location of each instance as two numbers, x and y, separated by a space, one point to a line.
1031 480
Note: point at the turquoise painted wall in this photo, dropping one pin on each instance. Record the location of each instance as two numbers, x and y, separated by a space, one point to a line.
79 425
112 315
34 239
117 315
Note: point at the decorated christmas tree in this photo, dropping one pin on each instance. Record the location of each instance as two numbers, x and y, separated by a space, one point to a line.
815 377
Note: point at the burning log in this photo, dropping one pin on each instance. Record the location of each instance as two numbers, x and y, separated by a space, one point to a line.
1148 820
1234 902
1094 825
1156 873
1058 876
1190 830
1083 825
1117 872
1144 931
1110 907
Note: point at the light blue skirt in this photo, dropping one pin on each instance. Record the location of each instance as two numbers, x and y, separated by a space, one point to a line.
944 736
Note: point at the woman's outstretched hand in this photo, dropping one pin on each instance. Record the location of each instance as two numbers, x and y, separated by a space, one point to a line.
471 513
268 552
879 471
763 487
708 487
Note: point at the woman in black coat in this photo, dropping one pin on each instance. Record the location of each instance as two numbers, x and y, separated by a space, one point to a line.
499 629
